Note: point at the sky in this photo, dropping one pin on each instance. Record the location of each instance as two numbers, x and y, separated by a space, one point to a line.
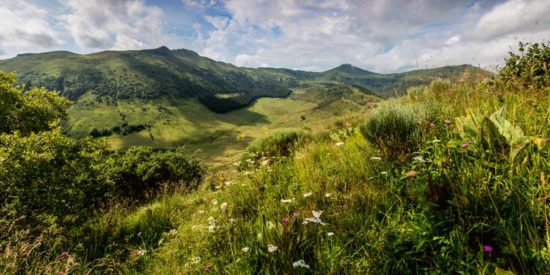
378 35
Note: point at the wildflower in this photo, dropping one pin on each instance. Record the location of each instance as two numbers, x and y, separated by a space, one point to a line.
272 248
447 122
284 219
375 158
196 260
207 268
65 255
300 263
308 194
223 206
433 126
411 174
315 219
330 234
436 141
214 202
231 220
328 195
237 163
265 162
419 159
245 249
246 173
172 232
339 144
286 200
200 211
212 228
60 273
488 248
141 252
383 173
465 145
295 214
547 140
228 183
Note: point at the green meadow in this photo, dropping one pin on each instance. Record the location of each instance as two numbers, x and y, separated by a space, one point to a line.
451 178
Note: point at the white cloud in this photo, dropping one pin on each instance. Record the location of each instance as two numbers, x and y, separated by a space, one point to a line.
517 16
200 3
376 35
25 28
118 25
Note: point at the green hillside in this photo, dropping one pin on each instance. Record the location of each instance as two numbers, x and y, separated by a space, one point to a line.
222 87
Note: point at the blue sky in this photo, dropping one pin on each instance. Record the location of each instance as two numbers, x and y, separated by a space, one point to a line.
383 36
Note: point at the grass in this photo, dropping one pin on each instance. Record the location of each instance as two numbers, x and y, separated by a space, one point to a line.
440 210
215 138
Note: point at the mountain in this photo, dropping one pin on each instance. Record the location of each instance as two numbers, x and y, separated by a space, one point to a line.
164 73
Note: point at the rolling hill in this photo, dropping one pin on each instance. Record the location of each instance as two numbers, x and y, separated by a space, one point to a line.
165 73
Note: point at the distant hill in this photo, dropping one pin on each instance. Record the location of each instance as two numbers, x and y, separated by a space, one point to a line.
164 73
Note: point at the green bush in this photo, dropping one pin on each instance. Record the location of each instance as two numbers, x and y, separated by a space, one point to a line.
52 174
276 145
141 169
529 69
31 111
393 129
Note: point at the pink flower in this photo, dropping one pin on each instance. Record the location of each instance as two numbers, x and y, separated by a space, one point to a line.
432 126
465 145
285 219
547 140
295 214
65 254
488 248
207 268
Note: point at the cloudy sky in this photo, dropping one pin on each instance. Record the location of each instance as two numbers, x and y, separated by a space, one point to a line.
378 35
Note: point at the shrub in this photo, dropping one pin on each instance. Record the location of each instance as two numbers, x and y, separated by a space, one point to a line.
529 69
276 145
393 129
52 174
142 169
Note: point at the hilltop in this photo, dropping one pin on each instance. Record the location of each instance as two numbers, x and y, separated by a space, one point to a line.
164 73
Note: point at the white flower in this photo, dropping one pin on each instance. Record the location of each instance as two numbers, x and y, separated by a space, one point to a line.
328 195
249 161
214 202
339 144
223 206
383 173
375 158
436 141
237 163
272 248
172 232
308 194
196 260
265 162
330 234
211 220
212 228
141 252
317 214
315 219
419 159
300 263
228 183
286 200
245 249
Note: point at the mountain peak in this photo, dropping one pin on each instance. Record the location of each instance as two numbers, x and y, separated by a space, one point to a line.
348 68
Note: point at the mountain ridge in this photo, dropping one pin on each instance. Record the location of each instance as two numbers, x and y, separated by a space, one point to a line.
182 73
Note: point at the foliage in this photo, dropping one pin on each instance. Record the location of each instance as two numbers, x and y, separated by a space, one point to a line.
531 68
276 145
393 129
31 111
141 169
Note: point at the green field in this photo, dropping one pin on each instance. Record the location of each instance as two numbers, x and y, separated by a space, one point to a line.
212 137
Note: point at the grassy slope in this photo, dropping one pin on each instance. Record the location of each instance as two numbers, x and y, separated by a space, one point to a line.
216 138
378 220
